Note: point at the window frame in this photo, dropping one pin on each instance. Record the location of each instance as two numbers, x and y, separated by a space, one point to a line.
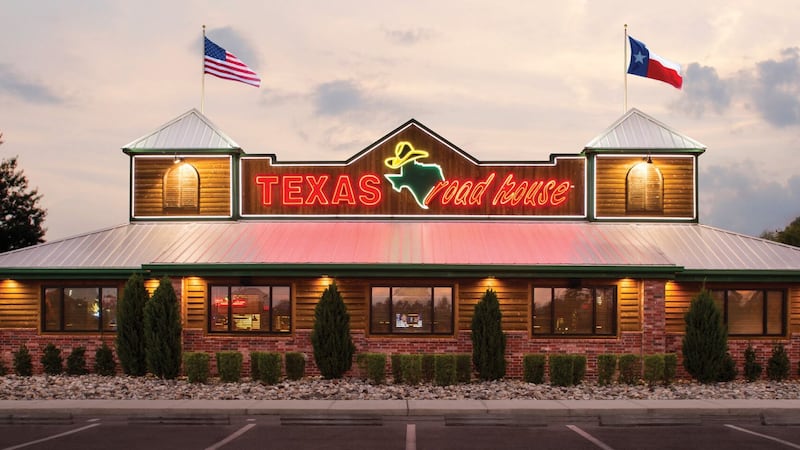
432 308
764 311
230 328
614 316
62 309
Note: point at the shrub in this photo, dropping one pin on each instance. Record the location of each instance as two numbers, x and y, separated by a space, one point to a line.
269 367
52 362
130 327
752 369
295 365
104 363
76 361
445 370
229 366
373 365
578 368
488 339
630 368
255 357
162 331
397 368
23 362
561 371
670 367
654 369
463 367
330 337
3 368
606 367
778 364
196 366
705 343
533 368
428 367
728 371
411 368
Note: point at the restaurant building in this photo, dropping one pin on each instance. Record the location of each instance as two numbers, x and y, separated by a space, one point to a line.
599 251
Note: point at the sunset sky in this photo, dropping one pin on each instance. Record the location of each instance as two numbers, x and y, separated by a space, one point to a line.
512 80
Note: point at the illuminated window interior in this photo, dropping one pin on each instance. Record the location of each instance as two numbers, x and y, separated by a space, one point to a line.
80 309
574 311
250 309
182 187
411 310
751 312
645 188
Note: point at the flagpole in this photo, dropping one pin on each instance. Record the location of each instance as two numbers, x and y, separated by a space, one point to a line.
203 75
625 68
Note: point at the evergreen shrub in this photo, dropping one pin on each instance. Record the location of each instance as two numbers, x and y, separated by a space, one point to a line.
162 332
606 368
330 337
397 368
752 369
670 367
445 370
411 369
654 369
428 367
229 366
3 368
76 361
488 339
130 342
533 368
295 365
372 366
196 366
52 362
630 368
578 369
561 370
23 362
255 357
463 367
104 363
778 364
269 367
728 371
705 344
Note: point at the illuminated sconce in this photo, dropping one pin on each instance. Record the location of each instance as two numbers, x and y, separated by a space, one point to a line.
326 280
177 160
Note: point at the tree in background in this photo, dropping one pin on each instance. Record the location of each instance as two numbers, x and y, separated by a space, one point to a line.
488 339
330 337
705 344
789 235
162 332
21 217
130 327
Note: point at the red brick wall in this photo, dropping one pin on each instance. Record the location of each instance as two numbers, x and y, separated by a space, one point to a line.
12 339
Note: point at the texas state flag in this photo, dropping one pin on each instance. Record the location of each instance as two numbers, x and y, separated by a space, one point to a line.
647 64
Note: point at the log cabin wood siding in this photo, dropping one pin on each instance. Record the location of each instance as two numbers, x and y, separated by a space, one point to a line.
19 304
214 186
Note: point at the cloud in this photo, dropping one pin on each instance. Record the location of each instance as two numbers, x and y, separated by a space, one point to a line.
233 42
703 89
777 91
408 37
336 97
17 86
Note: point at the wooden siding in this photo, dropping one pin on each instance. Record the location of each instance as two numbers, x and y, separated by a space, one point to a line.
514 297
195 299
629 305
215 186
794 310
354 293
19 304
679 195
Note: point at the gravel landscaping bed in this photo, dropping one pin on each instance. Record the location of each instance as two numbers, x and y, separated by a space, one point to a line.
86 387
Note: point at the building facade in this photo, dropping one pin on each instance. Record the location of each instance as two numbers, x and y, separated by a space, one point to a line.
594 252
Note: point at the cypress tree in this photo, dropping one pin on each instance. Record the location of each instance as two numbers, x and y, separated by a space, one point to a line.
130 327
162 332
488 339
705 344
330 337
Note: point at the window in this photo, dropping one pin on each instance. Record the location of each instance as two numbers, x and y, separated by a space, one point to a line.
181 188
411 310
249 309
80 309
645 188
752 312
575 311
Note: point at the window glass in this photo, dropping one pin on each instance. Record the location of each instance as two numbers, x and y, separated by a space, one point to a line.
250 308
109 309
542 310
774 312
745 312
243 309
573 310
379 321
412 309
81 309
443 310
281 309
219 308
605 307
52 309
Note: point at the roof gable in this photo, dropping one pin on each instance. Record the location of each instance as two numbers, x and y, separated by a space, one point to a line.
637 131
190 131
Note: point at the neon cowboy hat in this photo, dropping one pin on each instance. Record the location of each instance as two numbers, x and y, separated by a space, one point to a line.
404 153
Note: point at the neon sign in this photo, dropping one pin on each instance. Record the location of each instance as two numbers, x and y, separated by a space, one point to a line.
309 190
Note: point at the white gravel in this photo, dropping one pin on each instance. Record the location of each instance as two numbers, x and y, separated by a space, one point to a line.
42 387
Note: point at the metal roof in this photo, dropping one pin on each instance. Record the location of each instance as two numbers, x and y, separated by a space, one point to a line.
479 244
637 130
190 131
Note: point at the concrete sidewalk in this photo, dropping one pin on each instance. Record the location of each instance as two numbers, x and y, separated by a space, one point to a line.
784 411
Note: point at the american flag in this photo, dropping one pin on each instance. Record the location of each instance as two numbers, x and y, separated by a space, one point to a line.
221 63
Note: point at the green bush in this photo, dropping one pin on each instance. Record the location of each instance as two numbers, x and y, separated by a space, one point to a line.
196 366
295 365
104 363
630 368
162 332
578 369
561 370
606 368
654 369
52 362
23 362
411 368
778 364
705 344
445 370
229 366
728 371
330 337
752 369
428 367
463 367
397 368
670 367
269 367
533 368
131 349
255 375
76 361
3 368
488 339
373 366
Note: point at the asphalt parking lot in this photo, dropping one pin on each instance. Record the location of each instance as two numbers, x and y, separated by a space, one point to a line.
383 433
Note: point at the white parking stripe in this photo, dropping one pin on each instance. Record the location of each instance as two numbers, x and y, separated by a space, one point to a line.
781 441
589 437
411 436
55 436
233 436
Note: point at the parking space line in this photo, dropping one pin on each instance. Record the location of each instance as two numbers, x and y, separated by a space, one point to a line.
49 438
589 437
411 436
765 436
233 436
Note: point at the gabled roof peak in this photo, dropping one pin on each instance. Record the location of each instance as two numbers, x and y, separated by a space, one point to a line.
189 131
636 130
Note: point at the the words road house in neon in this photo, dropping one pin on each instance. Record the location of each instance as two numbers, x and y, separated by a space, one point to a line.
425 182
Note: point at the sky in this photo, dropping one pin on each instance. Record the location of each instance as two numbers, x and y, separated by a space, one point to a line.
511 80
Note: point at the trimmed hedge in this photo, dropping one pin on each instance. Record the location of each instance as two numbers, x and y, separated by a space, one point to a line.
445 370
630 368
51 360
654 369
23 362
295 365
606 368
373 366
428 367
229 366
533 368
196 366
104 363
670 367
411 368
561 370
76 361
464 367
397 368
578 368
268 366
